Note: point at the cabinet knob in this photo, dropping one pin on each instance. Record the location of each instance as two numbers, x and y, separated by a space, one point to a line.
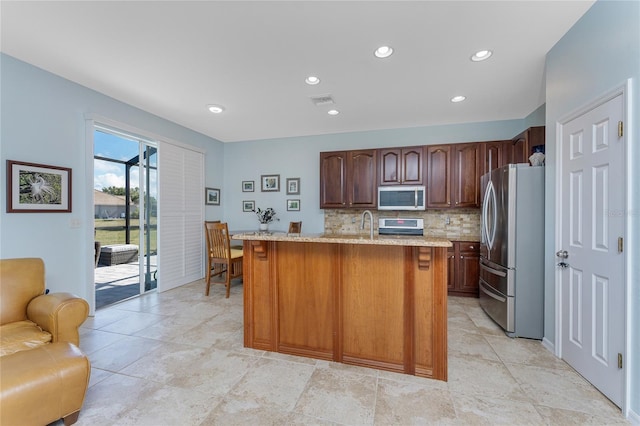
461 257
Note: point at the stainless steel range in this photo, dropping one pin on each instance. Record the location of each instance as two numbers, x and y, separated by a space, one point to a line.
400 226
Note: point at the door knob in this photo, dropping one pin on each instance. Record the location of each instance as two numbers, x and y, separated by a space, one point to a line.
562 254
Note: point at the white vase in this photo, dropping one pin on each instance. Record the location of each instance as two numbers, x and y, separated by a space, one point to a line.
264 227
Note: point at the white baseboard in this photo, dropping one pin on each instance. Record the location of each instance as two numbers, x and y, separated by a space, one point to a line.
549 345
633 417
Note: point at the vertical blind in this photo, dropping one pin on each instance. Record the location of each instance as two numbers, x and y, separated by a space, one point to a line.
180 216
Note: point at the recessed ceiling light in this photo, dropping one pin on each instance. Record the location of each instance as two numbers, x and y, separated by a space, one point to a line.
216 109
481 55
458 98
383 51
333 112
312 80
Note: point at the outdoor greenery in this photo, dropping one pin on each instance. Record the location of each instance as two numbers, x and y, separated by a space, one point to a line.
112 231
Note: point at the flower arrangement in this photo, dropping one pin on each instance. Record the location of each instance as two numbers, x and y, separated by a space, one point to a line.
267 215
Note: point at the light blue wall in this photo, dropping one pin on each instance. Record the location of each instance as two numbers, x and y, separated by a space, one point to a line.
42 120
536 118
299 157
597 55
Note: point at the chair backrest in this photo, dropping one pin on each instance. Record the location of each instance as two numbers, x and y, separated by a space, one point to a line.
20 281
295 227
218 242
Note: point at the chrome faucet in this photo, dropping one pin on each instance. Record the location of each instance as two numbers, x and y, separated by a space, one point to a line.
364 213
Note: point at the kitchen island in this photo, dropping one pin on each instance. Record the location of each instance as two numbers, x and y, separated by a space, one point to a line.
376 302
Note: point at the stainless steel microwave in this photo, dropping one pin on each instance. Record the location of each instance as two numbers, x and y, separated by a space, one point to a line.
401 198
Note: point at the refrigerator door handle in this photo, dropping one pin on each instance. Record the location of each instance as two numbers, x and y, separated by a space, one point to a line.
490 293
493 271
489 229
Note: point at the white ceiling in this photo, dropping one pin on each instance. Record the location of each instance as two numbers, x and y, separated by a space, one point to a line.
173 58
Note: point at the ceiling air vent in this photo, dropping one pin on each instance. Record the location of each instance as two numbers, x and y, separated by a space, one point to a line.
322 100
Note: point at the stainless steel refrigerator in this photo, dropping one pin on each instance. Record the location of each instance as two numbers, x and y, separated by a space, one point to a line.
512 248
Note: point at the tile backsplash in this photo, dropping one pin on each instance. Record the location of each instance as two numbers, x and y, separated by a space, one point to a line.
463 224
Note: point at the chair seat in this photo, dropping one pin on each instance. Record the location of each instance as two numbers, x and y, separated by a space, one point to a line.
21 336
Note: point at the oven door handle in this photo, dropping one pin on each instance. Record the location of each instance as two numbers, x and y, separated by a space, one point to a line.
493 271
490 293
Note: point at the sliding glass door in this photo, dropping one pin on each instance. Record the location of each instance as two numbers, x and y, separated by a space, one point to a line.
125 215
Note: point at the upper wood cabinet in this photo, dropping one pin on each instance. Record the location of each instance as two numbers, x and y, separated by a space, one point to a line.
496 155
467 169
348 179
333 180
438 176
362 190
400 166
523 144
453 175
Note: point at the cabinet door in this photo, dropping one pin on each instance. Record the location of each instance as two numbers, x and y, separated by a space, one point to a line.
468 267
467 172
438 176
390 167
522 145
412 166
361 179
400 166
333 181
519 150
496 155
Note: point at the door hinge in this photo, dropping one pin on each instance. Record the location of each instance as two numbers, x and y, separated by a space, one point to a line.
620 129
620 244
619 360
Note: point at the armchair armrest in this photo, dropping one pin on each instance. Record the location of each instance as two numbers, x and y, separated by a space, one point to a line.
60 314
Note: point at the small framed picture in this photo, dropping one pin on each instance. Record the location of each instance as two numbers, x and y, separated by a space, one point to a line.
247 186
248 205
212 196
293 205
293 186
270 183
38 188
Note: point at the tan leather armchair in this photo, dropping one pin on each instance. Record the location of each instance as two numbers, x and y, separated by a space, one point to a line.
43 374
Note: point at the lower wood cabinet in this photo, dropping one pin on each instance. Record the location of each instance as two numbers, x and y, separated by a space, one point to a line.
463 268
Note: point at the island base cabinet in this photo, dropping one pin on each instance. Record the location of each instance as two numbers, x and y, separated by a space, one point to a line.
376 306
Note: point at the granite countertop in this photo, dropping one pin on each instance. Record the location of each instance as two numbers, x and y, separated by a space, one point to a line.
390 240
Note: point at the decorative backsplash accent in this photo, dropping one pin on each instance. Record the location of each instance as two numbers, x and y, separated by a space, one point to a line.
464 224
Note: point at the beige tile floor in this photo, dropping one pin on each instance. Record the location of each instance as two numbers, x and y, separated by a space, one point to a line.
177 358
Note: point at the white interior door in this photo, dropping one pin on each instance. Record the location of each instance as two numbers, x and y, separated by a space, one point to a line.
591 268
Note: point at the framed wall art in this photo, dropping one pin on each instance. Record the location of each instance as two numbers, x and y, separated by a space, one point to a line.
293 205
248 205
212 196
293 186
270 183
38 188
247 186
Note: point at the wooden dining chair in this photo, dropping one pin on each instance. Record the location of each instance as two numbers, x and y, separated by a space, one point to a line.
295 227
221 258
